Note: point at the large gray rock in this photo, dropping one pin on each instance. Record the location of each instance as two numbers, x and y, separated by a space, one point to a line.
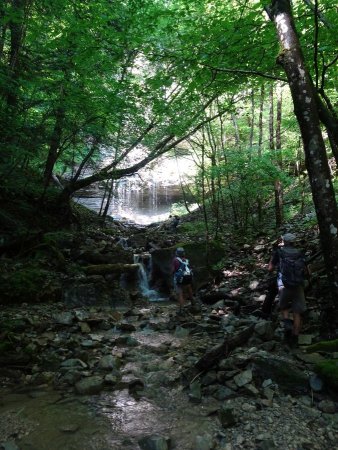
89 386
109 362
285 373
204 442
81 294
154 443
265 329
63 318
243 378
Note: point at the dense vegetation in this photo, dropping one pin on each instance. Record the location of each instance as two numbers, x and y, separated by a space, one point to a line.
229 82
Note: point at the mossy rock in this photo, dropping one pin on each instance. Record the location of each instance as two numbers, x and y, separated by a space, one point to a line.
328 370
23 285
6 346
323 346
14 325
289 377
59 239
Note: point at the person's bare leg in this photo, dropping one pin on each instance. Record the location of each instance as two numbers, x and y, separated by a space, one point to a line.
181 299
190 294
285 314
297 323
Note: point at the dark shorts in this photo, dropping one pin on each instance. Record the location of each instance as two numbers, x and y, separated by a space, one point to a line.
292 298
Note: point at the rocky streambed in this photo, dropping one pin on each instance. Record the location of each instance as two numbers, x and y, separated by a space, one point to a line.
147 378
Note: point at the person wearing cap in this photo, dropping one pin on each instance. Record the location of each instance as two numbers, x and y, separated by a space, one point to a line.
289 297
182 278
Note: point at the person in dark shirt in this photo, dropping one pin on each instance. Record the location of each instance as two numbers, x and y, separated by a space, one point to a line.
182 278
290 298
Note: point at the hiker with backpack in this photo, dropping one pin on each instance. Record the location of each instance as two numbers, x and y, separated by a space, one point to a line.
291 268
182 278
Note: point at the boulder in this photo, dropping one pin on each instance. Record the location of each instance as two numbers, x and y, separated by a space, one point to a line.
89 386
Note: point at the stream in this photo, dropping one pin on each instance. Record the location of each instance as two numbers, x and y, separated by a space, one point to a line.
42 418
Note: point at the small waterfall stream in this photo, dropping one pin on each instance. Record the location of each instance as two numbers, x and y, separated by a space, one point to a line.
145 268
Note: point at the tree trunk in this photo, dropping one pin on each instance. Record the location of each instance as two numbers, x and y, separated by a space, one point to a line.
271 121
54 144
236 129
260 143
252 119
3 27
304 99
212 356
17 32
278 128
260 122
278 203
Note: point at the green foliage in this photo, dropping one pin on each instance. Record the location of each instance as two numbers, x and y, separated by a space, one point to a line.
60 239
328 370
323 346
23 285
132 76
193 228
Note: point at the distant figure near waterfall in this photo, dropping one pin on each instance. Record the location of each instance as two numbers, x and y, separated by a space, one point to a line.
182 278
174 222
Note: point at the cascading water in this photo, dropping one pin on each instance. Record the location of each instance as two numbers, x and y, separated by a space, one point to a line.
144 198
144 262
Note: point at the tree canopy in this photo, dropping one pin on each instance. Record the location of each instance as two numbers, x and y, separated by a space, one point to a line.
139 79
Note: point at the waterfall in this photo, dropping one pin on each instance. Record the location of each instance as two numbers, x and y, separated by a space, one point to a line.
144 262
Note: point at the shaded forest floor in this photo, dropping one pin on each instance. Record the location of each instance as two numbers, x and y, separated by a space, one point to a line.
142 358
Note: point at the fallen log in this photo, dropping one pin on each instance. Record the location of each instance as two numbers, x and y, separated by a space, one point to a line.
213 297
103 269
213 355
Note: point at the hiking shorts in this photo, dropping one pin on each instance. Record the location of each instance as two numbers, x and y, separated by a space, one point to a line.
292 298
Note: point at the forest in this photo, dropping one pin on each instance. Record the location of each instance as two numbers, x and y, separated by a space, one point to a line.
249 88
92 92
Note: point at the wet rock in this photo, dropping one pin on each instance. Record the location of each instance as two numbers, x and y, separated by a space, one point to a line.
223 392
327 406
64 318
125 326
89 386
209 378
154 443
265 330
282 371
266 444
251 390
85 294
204 442
243 378
88 343
71 377
181 332
248 407
131 382
69 428
81 315
84 327
9 445
111 379
109 362
227 416
195 394
73 363
305 339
